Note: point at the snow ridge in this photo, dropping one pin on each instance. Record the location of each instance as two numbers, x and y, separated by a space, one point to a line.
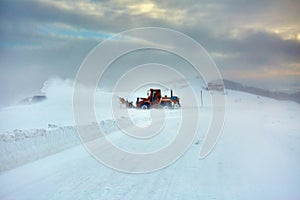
18 147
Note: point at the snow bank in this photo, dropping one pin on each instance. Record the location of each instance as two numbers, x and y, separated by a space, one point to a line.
19 146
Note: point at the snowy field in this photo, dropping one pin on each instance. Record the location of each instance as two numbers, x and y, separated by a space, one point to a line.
257 156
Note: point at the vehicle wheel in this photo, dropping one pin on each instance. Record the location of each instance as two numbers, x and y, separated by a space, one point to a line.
176 106
167 105
145 106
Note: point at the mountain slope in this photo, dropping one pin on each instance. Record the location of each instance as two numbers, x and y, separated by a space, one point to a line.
261 92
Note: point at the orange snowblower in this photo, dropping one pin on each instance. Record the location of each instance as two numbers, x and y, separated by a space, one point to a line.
154 100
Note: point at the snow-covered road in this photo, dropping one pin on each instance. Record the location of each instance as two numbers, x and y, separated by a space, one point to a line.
257 157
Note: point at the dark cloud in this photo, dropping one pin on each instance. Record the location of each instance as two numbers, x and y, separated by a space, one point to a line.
37 11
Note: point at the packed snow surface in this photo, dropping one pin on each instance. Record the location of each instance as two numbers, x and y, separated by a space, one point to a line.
257 156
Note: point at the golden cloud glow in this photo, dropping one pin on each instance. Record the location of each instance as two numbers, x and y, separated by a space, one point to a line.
286 32
146 8
143 8
151 10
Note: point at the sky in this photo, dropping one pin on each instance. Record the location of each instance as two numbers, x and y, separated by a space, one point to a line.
254 42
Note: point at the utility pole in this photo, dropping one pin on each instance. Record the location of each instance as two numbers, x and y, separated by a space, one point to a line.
201 98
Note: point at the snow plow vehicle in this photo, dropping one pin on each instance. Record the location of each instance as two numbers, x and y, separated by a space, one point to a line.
154 100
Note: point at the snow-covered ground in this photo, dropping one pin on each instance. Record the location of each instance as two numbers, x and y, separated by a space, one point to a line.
257 156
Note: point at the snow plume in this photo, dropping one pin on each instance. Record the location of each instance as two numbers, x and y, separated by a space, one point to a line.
58 91
55 109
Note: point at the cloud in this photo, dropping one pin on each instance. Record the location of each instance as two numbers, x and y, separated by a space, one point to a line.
244 37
